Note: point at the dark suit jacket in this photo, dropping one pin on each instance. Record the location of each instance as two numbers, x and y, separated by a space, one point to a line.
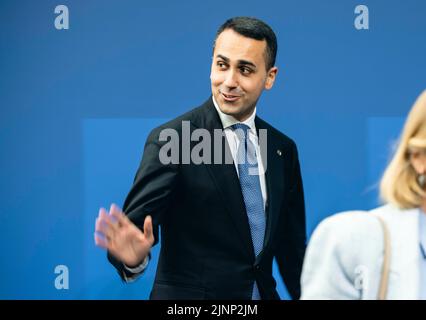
206 247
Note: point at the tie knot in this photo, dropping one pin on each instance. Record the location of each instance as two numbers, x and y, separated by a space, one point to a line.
241 130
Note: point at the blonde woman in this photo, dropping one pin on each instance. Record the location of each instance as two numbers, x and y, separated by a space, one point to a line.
381 253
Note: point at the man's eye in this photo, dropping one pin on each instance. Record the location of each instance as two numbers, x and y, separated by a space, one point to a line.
220 64
245 70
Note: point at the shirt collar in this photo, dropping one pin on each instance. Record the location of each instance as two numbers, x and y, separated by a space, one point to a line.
228 120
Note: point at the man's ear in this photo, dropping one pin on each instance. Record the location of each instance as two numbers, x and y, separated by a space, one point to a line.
270 78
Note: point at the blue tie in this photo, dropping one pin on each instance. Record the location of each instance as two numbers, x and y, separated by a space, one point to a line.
252 193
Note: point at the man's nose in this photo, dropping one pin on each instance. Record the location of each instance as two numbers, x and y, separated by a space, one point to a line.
231 79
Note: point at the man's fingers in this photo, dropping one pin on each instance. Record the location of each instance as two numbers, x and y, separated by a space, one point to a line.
106 218
147 228
114 209
105 227
101 241
102 212
118 215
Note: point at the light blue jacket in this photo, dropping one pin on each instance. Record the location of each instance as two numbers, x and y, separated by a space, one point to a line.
345 255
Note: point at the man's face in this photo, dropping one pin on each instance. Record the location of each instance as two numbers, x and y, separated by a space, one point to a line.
238 73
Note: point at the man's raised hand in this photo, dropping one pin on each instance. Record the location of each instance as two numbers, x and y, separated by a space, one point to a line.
123 239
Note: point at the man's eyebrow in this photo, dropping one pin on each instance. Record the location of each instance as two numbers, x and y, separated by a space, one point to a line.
222 57
240 62
245 62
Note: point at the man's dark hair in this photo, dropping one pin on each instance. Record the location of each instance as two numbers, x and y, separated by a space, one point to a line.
256 29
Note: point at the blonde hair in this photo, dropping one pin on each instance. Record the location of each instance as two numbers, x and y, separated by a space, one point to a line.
399 184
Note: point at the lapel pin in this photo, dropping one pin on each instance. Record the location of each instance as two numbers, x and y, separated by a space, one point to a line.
279 152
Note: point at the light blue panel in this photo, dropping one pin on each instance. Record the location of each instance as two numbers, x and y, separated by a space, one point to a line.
112 153
332 153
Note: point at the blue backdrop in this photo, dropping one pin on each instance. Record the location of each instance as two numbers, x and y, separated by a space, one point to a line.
76 106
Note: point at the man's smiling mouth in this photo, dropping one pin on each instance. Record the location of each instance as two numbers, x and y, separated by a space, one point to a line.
230 97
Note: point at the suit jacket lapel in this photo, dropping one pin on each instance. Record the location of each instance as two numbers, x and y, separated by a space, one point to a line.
273 163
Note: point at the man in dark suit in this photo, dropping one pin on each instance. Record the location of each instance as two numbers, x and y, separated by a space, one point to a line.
222 222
